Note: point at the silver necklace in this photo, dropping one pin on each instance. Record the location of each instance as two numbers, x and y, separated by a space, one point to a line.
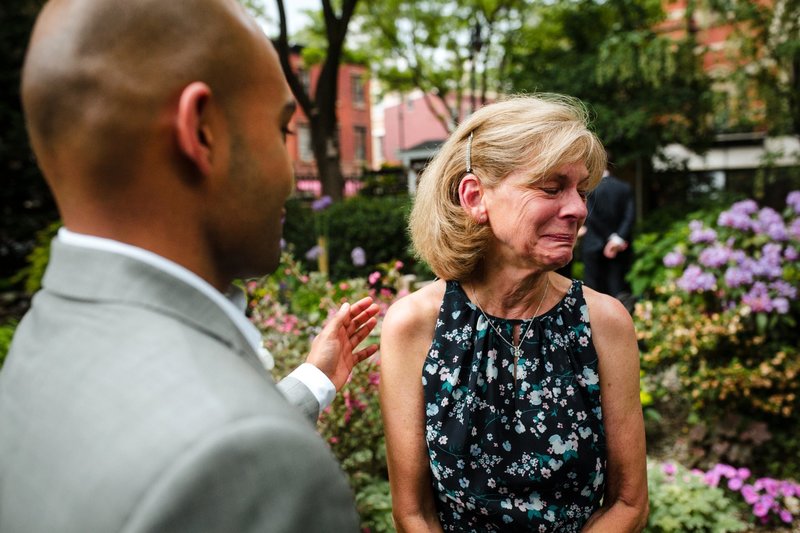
517 350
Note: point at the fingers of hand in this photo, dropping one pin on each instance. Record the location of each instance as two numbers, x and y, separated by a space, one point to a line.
361 333
366 352
362 318
358 307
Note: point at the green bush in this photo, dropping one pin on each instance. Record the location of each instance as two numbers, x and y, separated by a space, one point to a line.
6 334
680 501
31 276
378 225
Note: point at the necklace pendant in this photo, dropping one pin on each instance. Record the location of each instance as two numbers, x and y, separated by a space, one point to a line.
517 352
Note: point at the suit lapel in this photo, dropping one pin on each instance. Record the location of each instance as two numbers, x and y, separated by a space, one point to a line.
101 276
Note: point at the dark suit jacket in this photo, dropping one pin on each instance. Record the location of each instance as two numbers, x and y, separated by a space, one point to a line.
130 402
611 210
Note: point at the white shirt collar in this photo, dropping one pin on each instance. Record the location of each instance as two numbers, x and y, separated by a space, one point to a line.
236 314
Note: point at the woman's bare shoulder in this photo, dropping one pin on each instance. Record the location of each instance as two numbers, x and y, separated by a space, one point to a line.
606 311
416 311
414 315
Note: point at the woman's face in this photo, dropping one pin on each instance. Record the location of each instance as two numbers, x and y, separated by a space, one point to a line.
535 225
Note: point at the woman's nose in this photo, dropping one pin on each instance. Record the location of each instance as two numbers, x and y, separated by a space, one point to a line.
574 205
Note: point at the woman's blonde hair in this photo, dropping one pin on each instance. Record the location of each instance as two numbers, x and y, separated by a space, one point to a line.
536 134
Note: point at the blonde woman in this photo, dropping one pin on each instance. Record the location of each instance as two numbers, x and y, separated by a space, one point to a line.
510 394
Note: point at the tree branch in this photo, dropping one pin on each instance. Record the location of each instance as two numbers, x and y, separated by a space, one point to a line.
282 45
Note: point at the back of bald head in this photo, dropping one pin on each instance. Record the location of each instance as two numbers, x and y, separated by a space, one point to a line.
99 74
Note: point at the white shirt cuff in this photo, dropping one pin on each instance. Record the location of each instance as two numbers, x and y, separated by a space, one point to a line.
616 239
317 382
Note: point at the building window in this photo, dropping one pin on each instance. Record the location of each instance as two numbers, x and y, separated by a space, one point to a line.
360 143
358 89
304 149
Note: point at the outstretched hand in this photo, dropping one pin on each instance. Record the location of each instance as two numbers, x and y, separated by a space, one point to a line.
333 349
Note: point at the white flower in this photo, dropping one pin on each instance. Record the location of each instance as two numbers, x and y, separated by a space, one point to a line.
590 376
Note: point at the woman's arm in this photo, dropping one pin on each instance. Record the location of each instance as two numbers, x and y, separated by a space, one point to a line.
406 335
625 504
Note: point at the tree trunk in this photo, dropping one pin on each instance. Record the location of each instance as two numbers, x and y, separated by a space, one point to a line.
321 111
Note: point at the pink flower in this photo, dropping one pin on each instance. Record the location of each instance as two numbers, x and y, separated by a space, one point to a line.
786 516
735 483
760 510
374 277
669 469
749 494
711 478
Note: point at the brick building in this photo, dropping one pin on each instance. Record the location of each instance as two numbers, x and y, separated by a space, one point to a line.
737 152
408 122
355 131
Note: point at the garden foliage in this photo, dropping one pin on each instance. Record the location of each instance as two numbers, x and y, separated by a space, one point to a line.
290 307
376 225
721 331
716 500
681 501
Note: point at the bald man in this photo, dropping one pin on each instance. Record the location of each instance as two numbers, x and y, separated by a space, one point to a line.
134 397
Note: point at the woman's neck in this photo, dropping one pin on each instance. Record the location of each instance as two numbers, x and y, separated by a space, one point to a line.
509 294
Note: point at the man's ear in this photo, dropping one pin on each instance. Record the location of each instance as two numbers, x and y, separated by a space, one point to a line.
470 194
192 126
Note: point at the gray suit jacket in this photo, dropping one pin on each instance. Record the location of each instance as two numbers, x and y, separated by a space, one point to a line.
130 402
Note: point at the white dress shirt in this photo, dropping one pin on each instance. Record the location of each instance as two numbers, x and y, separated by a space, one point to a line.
317 382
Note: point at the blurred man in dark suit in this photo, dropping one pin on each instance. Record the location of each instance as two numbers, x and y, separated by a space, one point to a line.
606 250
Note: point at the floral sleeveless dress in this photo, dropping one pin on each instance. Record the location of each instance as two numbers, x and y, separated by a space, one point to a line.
524 453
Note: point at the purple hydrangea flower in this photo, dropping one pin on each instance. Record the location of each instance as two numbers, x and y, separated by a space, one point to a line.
784 289
358 256
674 258
770 263
314 252
714 256
736 277
777 231
790 253
699 233
735 220
694 279
757 299
740 258
781 305
794 229
793 201
767 216
321 203
747 207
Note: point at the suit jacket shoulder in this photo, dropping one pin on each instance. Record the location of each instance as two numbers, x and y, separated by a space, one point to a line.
123 383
